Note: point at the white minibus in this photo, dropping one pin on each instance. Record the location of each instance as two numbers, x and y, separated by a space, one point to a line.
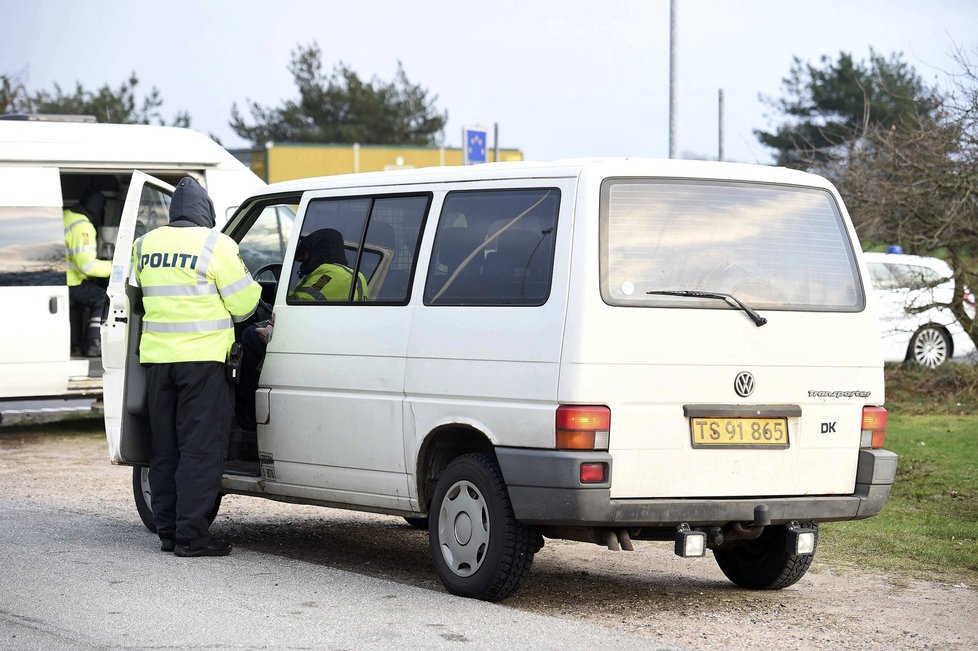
604 350
47 164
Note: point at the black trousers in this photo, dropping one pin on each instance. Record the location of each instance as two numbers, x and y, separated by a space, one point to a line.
253 353
89 295
190 407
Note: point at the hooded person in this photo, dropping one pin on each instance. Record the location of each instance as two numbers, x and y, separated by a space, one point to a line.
323 272
190 205
82 265
194 287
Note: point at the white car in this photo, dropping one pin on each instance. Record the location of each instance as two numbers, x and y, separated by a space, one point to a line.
904 284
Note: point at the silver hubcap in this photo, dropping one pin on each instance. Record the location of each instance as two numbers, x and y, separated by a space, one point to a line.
930 348
463 528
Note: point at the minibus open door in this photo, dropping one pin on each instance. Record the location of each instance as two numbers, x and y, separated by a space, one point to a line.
124 382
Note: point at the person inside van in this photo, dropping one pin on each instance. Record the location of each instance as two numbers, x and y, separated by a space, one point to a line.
84 265
323 276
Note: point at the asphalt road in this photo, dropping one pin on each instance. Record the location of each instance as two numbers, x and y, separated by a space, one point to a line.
38 410
74 581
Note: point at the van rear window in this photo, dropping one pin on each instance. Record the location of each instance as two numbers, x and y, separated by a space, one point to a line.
774 247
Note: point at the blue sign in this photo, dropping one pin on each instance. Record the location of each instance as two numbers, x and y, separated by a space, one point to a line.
474 145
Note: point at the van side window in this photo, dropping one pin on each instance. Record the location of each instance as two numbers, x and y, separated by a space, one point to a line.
494 247
32 248
32 241
358 249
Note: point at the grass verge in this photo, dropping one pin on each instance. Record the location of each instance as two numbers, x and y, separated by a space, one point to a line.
929 526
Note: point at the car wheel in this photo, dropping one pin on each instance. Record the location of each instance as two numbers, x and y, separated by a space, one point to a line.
765 563
930 347
143 497
478 547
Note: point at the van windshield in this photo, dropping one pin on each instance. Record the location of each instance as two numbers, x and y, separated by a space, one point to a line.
774 247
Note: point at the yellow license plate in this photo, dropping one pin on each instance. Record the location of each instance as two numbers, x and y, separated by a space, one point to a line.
739 432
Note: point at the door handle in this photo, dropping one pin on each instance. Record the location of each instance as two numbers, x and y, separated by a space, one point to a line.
106 306
53 305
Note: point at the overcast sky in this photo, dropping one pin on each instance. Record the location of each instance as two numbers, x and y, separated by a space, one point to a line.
562 78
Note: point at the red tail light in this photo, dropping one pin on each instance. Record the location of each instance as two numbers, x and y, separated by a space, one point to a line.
582 427
594 473
873 428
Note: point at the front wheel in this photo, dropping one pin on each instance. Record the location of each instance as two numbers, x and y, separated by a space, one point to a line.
765 563
142 495
478 547
930 346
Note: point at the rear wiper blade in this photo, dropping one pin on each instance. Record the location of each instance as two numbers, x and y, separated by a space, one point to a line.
729 298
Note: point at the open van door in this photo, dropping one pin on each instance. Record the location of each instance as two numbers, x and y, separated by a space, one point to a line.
124 383
35 358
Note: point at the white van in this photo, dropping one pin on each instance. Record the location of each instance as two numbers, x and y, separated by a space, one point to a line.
605 351
48 165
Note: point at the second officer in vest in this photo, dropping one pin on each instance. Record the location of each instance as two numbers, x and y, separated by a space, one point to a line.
194 288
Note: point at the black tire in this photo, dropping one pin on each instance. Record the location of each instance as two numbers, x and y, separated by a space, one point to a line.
764 563
486 556
930 346
418 523
141 495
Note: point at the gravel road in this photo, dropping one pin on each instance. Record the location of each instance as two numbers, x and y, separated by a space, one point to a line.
649 592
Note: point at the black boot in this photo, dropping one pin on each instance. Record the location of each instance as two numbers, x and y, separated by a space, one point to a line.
214 547
93 348
93 339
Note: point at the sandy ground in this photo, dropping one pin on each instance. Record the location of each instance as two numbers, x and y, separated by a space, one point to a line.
650 591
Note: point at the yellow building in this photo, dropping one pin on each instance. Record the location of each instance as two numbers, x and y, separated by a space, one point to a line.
282 162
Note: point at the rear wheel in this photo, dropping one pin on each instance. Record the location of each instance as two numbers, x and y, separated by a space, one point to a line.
930 346
765 563
143 497
478 547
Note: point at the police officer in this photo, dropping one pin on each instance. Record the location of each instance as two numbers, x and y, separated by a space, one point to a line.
194 287
83 265
324 275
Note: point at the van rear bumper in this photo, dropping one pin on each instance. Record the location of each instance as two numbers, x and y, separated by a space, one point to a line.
545 489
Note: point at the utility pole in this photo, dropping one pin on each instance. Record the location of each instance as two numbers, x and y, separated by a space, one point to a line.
672 79
495 142
720 123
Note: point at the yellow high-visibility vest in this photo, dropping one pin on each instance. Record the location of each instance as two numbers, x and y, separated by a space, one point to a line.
194 287
329 282
82 258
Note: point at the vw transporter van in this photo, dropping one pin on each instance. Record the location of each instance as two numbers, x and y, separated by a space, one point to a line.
603 351
47 164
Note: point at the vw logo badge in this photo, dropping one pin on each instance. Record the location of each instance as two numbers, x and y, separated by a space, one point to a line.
744 384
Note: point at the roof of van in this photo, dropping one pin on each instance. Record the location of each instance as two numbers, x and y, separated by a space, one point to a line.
94 145
658 168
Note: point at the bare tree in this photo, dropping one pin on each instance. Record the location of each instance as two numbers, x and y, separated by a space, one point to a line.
915 182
